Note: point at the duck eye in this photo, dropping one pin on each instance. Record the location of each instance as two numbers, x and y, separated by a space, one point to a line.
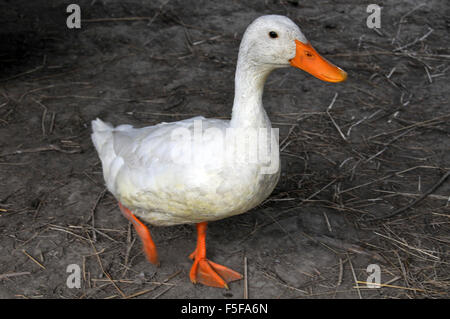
273 34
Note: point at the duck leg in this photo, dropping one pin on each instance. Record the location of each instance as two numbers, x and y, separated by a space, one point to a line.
143 232
205 271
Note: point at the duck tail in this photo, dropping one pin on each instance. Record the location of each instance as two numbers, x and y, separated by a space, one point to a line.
101 132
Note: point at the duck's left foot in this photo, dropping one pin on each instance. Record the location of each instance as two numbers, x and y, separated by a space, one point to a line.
205 271
211 274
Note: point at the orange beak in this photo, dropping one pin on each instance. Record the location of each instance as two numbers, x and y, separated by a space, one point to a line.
307 59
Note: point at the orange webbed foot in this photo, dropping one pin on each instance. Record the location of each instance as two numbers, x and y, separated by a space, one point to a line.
211 274
205 271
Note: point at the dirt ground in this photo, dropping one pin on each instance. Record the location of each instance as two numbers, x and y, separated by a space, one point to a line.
383 146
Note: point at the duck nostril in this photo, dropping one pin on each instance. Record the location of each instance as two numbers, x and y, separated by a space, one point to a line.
307 53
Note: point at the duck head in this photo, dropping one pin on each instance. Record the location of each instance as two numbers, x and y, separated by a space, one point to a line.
274 41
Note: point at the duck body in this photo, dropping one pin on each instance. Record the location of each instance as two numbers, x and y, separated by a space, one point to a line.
148 171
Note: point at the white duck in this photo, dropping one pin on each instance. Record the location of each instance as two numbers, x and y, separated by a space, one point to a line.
176 173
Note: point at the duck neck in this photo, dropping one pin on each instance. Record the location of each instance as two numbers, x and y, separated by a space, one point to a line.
248 109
